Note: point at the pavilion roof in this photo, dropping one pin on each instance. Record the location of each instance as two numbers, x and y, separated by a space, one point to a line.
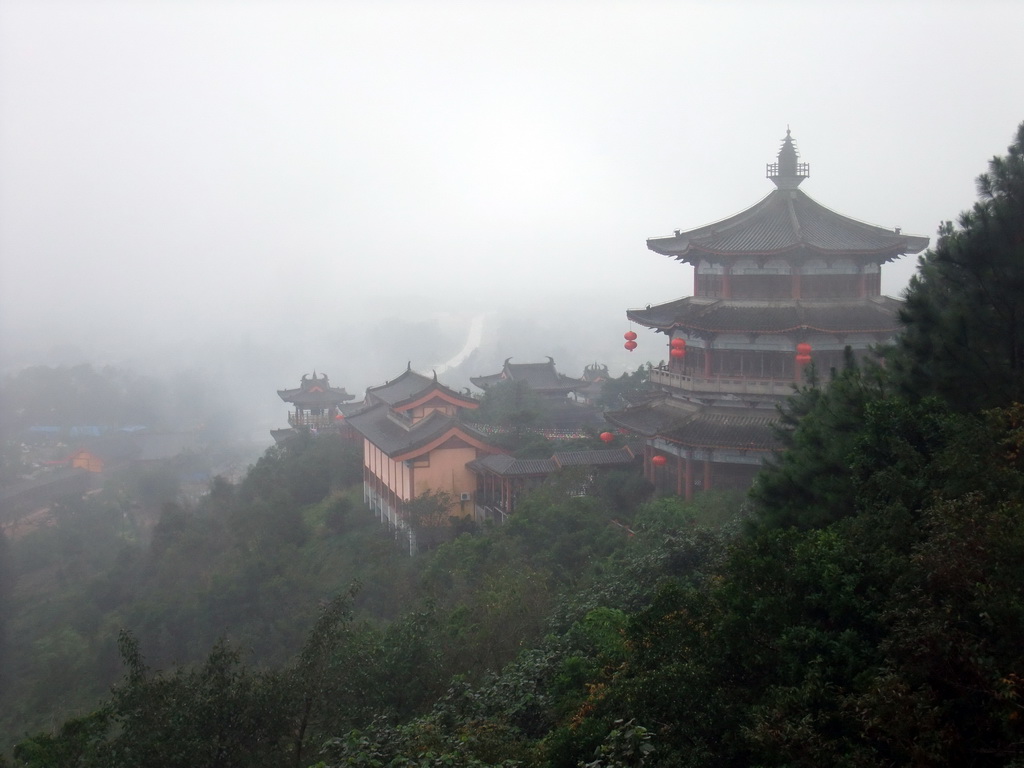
787 222
315 392
876 314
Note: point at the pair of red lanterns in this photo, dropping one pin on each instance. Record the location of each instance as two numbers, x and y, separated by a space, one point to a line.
803 353
630 338
677 348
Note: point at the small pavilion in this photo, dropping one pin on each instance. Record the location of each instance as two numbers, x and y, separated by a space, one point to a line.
316 402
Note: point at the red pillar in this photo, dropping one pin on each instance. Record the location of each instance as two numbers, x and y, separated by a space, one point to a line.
689 476
795 282
707 362
707 473
679 475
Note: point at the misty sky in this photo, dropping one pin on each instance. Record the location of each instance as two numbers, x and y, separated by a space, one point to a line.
174 174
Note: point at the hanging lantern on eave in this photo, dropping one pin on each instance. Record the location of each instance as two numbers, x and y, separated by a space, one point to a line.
803 353
630 337
630 345
677 348
607 437
659 460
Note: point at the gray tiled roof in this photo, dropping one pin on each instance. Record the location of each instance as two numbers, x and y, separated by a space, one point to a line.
394 435
699 427
315 392
409 384
787 220
508 466
870 315
593 458
539 377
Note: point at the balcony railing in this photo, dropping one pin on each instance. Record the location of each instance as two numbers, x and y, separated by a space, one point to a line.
722 385
306 420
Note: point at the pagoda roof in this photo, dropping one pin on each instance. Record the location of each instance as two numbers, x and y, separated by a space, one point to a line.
401 438
540 377
411 388
787 222
701 427
876 314
315 392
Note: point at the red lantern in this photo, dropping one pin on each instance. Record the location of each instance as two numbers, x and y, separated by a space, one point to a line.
659 460
678 352
607 437
678 343
339 416
803 348
630 345
629 336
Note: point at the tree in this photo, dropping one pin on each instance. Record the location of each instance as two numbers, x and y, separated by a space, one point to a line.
964 311
428 518
810 482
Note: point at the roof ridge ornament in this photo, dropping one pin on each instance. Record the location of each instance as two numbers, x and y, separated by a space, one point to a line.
787 172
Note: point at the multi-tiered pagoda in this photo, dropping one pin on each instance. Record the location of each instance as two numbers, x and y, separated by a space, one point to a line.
785 283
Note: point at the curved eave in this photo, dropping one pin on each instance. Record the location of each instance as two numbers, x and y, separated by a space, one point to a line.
870 316
787 222
693 256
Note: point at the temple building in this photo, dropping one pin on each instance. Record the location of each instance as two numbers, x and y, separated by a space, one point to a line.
415 441
318 405
542 378
780 285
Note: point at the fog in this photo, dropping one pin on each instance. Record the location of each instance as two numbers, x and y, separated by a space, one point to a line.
256 190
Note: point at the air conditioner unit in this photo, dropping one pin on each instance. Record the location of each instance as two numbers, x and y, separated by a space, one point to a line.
465 497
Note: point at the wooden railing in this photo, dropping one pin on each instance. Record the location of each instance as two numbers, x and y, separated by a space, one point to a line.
305 420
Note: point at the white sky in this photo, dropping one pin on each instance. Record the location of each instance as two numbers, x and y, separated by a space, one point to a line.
196 170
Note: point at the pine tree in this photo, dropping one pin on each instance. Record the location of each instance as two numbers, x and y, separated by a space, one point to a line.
964 312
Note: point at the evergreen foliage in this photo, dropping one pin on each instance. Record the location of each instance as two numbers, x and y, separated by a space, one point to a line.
866 612
964 311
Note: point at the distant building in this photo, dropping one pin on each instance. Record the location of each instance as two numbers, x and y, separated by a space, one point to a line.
318 406
542 378
776 286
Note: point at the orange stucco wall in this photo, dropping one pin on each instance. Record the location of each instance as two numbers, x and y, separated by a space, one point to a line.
446 472
396 475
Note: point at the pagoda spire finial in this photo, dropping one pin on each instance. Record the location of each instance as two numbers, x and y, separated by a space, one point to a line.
787 172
